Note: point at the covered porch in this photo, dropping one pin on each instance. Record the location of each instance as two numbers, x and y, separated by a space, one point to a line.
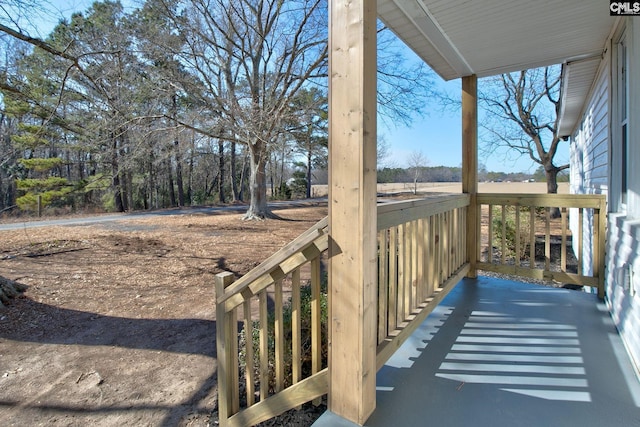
490 352
502 353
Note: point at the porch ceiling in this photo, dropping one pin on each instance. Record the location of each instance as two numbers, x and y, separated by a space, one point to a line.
461 37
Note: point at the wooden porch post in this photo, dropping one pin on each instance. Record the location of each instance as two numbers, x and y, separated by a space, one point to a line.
352 208
470 163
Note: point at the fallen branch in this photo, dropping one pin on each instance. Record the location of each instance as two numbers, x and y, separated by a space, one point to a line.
10 289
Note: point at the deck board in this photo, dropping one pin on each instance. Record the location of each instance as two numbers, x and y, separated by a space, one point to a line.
504 353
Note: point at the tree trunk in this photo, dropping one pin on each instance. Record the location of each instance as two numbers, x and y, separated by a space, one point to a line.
129 186
308 174
234 182
2 194
257 182
221 195
118 196
178 157
551 173
552 180
192 151
125 177
243 178
179 181
172 190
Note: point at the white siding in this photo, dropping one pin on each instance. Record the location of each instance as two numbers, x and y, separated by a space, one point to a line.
591 173
594 136
623 279
589 157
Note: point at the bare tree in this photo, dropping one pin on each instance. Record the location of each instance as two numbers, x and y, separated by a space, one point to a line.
131 84
251 57
417 161
383 152
522 111
404 87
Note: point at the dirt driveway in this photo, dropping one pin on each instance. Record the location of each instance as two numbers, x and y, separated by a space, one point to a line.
117 327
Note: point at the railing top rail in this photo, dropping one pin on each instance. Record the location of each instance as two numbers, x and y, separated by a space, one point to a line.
274 262
597 201
293 254
396 213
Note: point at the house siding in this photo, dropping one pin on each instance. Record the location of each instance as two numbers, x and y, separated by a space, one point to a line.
589 159
591 173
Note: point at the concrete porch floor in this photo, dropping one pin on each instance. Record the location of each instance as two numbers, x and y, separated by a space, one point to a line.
506 354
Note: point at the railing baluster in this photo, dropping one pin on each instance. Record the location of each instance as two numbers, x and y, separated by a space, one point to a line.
563 244
279 336
448 219
547 239
517 243
503 243
594 244
383 280
408 284
432 255
316 324
264 345
421 264
457 238
532 237
296 328
402 272
414 265
490 233
234 358
439 237
452 242
599 244
249 373
580 243
393 280
479 239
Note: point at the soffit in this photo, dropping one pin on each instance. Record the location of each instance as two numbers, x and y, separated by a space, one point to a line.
458 38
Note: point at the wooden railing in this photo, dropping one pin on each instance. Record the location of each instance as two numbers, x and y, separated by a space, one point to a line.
276 376
422 255
278 361
527 235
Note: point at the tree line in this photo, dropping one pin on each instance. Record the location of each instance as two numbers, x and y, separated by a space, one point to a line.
454 174
175 103
187 102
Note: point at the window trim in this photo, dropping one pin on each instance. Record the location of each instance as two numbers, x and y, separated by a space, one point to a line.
619 171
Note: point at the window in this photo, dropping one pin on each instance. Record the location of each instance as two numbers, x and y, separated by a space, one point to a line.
621 122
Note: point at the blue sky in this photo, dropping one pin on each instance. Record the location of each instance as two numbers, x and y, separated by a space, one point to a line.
438 134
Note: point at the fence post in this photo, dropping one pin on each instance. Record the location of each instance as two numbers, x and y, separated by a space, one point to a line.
470 165
352 209
225 339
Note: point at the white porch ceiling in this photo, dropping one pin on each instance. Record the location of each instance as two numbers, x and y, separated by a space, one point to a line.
486 37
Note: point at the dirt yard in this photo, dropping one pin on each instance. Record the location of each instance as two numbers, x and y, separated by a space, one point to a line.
117 326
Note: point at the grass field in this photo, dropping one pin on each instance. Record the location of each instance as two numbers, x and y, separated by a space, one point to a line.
456 187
